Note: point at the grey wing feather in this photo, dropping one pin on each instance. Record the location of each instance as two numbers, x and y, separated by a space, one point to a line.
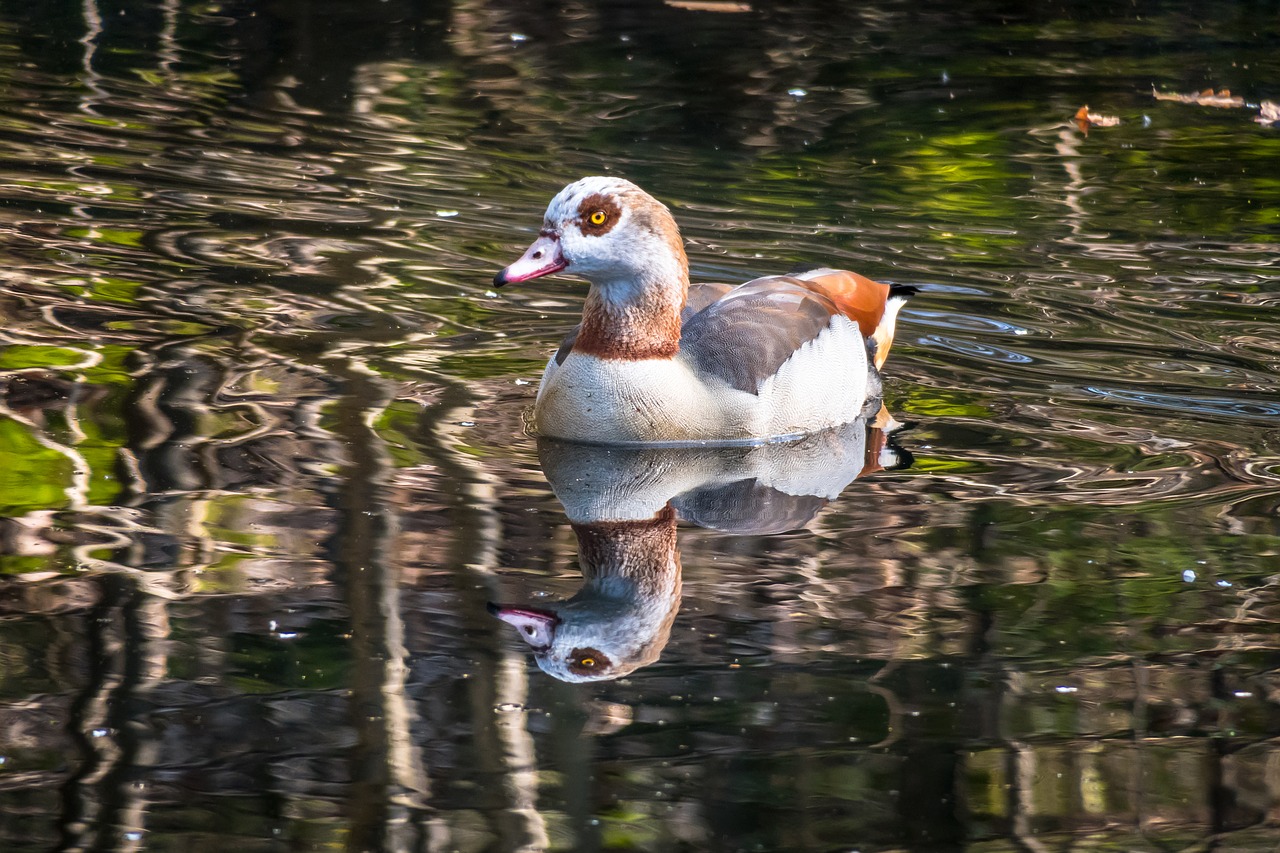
747 507
702 295
566 346
748 334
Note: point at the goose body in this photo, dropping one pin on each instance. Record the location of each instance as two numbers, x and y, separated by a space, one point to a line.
656 360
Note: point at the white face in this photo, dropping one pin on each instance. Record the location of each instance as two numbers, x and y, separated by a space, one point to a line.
574 641
596 640
608 231
599 235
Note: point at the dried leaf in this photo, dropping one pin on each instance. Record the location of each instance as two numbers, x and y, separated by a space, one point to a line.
1270 113
1086 119
1207 98
708 6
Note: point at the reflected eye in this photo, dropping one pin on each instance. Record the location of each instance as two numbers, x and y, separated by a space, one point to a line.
598 217
586 661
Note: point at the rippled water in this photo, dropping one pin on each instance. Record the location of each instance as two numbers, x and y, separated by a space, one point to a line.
263 464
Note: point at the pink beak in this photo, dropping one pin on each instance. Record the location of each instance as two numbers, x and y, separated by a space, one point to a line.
536 627
542 258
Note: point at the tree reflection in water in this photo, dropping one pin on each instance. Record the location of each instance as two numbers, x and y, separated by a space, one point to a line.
262 464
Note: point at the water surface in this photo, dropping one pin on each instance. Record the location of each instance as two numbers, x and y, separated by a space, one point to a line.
263 462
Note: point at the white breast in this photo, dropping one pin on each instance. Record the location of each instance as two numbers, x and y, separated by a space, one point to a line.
585 398
612 400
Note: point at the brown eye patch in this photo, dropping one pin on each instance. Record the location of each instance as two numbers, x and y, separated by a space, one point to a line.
597 214
586 661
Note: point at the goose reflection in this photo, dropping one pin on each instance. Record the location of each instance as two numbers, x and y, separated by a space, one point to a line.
623 504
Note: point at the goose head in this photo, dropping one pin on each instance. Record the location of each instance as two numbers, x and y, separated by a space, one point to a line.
608 231
620 620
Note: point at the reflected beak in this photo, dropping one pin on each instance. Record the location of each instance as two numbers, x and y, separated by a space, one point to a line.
537 627
542 258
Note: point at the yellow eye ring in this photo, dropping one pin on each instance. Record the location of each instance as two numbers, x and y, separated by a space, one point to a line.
588 662
598 217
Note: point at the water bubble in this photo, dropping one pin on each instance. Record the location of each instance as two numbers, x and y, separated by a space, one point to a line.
446 214
1223 584
797 93
518 37
1065 689
1189 575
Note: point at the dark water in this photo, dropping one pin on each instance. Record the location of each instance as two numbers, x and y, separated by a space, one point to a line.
263 462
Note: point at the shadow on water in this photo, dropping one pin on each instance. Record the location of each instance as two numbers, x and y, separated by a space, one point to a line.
263 463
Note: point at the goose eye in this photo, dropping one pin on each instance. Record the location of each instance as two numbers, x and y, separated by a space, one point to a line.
598 217
588 661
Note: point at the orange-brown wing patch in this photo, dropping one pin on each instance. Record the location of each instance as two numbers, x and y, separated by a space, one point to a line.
858 297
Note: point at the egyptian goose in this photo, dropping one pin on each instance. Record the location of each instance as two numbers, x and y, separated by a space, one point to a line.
658 360
624 503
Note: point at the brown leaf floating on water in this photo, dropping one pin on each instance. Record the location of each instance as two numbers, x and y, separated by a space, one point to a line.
1086 119
1207 98
1269 115
708 6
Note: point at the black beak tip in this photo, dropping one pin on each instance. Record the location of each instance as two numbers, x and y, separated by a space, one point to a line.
492 608
500 279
